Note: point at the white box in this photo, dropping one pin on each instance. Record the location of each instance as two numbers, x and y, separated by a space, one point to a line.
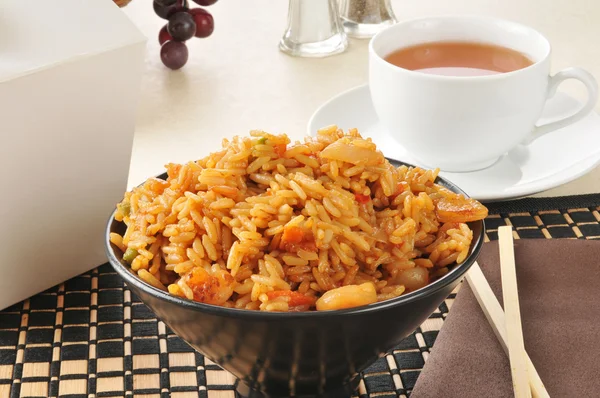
70 74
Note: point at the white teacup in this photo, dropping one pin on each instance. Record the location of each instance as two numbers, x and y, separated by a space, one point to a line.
467 123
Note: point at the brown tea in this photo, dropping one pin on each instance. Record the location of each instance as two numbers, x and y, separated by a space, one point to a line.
459 59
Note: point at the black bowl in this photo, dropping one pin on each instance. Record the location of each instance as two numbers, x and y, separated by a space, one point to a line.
303 354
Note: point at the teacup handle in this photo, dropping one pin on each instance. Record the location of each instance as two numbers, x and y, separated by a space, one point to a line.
570 73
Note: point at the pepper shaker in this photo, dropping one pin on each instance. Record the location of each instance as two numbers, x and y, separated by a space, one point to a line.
314 29
365 18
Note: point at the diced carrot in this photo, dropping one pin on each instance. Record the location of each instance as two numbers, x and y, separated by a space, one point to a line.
280 149
208 288
295 238
296 299
363 199
292 235
278 293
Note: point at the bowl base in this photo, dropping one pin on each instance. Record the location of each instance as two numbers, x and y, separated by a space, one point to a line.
344 391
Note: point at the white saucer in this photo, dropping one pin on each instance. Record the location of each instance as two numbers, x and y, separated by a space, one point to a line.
552 160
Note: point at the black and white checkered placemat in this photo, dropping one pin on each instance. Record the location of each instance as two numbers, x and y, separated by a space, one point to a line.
90 337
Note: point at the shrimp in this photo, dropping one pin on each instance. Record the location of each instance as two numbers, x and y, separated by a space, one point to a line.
347 150
215 287
413 278
457 208
347 297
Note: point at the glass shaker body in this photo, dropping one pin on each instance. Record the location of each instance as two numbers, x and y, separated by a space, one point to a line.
365 18
314 29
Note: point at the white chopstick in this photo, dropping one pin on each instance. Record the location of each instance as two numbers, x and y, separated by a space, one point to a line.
512 317
495 316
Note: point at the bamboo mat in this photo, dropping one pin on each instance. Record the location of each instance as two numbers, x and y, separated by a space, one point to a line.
91 337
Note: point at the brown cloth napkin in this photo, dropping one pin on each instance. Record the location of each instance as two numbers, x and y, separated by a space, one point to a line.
559 292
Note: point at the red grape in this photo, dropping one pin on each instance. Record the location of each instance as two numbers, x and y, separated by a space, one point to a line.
205 23
205 2
164 35
165 3
164 11
181 26
174 54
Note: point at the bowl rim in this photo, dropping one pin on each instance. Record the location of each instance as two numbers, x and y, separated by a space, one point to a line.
456 273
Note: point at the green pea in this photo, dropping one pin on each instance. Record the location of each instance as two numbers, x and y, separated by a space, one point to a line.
262 140
129 255
125 208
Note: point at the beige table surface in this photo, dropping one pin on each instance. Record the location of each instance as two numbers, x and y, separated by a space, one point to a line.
238 80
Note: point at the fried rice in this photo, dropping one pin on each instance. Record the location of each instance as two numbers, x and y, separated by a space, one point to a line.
323 224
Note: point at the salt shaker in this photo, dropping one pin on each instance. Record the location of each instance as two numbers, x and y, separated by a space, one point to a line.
365 18
314 29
